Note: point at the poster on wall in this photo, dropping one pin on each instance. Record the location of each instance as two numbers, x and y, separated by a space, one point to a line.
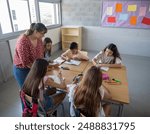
129 14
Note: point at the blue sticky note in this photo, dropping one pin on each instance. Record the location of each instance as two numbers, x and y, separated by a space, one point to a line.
123 17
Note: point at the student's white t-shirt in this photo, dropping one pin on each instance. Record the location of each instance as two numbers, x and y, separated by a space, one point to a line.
102 59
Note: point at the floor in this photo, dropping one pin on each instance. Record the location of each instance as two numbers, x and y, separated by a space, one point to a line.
139 90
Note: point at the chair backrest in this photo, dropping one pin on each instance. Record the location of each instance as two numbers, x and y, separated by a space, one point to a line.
57 97
30 107
77 112
85 53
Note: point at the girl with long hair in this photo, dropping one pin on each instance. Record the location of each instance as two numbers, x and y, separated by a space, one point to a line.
36 81
89 94
109 57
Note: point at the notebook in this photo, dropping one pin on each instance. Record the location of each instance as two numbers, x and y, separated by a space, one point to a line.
59 60
73 62
105 68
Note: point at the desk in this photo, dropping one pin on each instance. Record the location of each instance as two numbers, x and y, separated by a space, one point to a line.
119 93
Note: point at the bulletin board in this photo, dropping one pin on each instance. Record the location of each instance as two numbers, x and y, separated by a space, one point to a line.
130 14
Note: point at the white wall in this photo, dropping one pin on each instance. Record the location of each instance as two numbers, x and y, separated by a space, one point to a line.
54 34
129 41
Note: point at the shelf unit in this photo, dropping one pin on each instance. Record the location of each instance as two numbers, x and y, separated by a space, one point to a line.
71 34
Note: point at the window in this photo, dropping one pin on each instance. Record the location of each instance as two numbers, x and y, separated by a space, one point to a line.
32 10
49 13
17 15
5 22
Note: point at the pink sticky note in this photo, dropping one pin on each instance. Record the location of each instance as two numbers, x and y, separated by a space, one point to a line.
142 11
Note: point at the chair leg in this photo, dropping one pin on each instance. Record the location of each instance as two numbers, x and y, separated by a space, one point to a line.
63 109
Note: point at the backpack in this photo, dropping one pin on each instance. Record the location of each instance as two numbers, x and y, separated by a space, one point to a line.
29 110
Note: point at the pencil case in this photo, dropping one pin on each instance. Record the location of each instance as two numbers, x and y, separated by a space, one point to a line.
105 76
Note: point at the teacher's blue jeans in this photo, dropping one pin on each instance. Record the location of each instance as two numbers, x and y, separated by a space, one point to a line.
20 75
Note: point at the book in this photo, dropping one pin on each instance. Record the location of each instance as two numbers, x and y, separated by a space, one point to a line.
73 62
59 60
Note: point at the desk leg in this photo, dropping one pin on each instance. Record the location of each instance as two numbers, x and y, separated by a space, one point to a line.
120 110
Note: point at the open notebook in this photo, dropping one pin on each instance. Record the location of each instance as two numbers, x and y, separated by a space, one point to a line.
57 80
59 60
105 68
73 62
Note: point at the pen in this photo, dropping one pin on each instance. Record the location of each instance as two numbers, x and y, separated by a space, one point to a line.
116 80
65 68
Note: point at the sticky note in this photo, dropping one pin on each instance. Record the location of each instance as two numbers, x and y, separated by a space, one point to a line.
146 21
133 20
132 8
123 17
111 19
142 11
118 7
109 11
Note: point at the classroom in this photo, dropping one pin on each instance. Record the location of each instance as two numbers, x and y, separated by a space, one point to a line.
81 31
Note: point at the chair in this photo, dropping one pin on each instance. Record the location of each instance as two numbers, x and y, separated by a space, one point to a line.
77 112
84 52
57 97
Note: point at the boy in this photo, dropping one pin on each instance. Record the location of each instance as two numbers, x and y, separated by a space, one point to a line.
74 53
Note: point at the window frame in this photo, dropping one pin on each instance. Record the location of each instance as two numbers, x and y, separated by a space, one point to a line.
14 34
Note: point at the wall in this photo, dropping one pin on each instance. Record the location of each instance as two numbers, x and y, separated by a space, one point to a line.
5 62
87 13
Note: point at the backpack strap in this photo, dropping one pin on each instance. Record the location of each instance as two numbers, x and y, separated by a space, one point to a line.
26 108
34 109
22 96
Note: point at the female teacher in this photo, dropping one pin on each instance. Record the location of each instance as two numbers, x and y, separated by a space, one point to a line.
29 47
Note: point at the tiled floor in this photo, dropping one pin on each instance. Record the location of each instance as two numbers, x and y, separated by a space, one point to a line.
138 72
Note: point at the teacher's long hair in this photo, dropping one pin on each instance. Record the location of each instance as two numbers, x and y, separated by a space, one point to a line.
87 97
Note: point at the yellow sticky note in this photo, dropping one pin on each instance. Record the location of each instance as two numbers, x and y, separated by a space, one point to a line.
132 8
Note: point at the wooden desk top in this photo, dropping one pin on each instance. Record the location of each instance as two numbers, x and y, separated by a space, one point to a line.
67 74
119 92
79 68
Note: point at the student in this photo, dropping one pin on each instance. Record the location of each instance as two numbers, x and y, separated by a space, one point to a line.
88 95
36 81
29 47
74 53
109 57
47 49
